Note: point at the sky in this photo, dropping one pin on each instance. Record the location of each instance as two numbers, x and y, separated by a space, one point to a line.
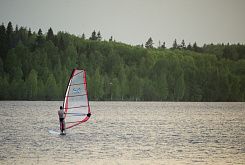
133 21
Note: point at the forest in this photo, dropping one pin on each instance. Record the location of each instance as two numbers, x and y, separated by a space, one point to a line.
36 66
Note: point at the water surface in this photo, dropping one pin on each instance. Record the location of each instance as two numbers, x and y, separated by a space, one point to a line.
125 133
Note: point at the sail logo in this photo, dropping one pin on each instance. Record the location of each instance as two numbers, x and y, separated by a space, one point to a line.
76 90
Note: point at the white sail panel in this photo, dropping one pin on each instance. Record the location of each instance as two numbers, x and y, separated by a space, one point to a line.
76 104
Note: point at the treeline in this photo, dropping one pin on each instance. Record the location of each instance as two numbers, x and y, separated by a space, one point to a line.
36 66
227 51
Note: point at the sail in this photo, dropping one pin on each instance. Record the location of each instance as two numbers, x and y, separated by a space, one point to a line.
76 104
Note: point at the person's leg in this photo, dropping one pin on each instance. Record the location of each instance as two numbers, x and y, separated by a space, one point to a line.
64 126
61 126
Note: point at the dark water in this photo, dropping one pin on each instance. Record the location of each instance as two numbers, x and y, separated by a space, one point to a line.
125 133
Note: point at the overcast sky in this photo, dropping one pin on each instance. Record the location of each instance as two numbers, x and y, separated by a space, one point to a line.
134 21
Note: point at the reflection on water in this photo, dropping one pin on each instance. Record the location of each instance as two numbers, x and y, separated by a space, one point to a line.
125 133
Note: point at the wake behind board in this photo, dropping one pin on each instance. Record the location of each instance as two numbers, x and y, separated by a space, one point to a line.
55 132
62 133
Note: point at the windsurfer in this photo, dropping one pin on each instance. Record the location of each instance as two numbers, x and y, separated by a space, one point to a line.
61 114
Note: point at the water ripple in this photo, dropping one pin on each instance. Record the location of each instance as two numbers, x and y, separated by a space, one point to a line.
125 133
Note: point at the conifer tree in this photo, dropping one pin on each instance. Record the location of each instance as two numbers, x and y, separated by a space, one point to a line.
40 39
29 33
149 43
3 42
16 29
111 39
9 33
50 35
175 45
31 82
9 30
195 47
163 45
99 38
189 47
83 36
183 44
51 88
93 36
40 33
61 44
179 88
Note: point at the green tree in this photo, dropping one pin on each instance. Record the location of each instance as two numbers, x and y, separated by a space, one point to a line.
4 88
1 67
40 38
12 65
179 88
116 90
162 87
149 43
230 53
99 37
50 35
16 89
24 58
136 87
61 43
83 36
113 63
51 88
189 47
182 46
189 69
149 92
52 54
9 32
234 86
123 82
29 33
93 36
175 45
111 39
159 74
96 85
31 83
163 46
222 88
41 91
3 42
71 57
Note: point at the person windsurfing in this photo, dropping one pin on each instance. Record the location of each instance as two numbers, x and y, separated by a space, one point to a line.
61 114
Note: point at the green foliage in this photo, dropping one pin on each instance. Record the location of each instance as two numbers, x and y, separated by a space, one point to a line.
31 83
4 88
3 42
51 88
93 36
179 87
175 45
96 85
40 38
50 35
149 43
37 67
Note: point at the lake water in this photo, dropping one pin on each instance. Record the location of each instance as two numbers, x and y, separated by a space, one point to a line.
125 133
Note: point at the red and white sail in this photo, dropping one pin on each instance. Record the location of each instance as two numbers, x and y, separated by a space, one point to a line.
76 104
